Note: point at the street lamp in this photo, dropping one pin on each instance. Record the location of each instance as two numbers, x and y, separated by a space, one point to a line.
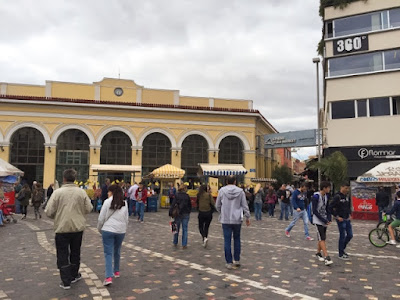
316 61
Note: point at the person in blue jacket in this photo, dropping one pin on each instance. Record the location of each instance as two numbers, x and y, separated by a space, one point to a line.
298 201
396 223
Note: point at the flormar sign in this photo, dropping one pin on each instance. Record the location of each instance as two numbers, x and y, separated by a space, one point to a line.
291 139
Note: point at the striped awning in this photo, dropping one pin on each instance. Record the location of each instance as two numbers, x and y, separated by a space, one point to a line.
167 171
273 180
222 169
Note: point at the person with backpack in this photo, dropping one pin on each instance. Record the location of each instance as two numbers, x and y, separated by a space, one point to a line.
284 196
321 218
141 199
180 211
206 206
258 201
271 200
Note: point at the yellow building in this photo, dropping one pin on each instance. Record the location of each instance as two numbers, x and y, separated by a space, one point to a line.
45 129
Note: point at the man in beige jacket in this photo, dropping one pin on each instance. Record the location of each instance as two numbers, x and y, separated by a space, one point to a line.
68 207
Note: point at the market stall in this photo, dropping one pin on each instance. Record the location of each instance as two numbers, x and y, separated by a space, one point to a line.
166 174
8 176
364 189
120 172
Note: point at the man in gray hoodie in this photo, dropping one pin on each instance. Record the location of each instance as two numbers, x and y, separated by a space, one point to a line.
232 205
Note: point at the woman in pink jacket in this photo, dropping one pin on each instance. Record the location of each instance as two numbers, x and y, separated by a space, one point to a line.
271 199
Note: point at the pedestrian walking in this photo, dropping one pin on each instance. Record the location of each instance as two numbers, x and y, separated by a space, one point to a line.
340 208
68 206
171 193
290 189
271 200
284 195
232 205
23 197
258 201
382 201
321 218
141 199
206 206
112 224
396 222
180 210
299 204
37 199
104 190
132 199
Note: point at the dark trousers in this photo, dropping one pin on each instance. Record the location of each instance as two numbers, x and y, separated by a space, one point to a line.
68 247
345 234
229 231
205 218
381 210
24 209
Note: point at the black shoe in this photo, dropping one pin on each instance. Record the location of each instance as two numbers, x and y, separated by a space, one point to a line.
344 257
319 257
77 278
328 261
64 287
345 254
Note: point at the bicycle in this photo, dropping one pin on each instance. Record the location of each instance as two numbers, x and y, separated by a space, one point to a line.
379 236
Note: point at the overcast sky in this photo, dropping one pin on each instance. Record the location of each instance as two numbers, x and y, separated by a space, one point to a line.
249 49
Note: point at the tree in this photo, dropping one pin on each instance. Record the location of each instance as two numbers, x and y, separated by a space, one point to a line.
334 167
282 174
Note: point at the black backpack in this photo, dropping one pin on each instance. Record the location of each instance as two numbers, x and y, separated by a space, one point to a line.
175 211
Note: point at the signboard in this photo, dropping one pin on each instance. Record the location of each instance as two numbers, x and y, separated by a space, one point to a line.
304 138
363 198
350 44
368 153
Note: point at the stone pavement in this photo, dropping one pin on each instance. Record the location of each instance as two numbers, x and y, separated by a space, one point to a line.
273 266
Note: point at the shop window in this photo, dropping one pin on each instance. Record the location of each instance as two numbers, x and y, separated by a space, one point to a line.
116 149
343 110
392 59
394 17
355 64
358 24
379 107
329 29
362 108
396 105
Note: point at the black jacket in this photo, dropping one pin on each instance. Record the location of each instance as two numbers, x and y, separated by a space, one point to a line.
382 199
185 204
340 206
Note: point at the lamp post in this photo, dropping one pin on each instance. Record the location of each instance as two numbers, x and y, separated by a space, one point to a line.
316 61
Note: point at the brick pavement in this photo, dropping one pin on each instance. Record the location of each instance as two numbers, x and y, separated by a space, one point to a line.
273 266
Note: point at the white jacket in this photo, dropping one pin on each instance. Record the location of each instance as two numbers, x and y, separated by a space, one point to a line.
115 221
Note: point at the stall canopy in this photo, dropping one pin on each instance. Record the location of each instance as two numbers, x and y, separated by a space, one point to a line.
222 169
388 172
272 180
7 169
167 171
115 168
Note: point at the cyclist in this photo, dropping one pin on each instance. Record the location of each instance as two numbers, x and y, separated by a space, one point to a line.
395 210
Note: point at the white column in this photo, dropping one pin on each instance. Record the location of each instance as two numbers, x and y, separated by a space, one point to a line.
139 96
48 89
3 89
97 92
176 97
211 102
251 104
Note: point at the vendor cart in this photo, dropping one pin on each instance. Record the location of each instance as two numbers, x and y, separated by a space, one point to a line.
8 176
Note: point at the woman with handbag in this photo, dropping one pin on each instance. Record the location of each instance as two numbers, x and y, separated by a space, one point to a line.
112 224
206 206
23 197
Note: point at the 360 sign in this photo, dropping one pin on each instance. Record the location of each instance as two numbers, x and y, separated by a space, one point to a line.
352 44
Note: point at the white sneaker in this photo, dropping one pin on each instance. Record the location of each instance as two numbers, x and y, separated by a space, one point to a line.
229 266
392 242
398 246
205 242
236 264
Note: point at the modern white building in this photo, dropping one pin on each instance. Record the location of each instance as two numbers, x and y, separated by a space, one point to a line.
362 83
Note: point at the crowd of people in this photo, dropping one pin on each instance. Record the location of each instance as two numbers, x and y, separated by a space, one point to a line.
69 204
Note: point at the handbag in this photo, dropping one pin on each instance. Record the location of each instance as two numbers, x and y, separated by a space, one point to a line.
107 220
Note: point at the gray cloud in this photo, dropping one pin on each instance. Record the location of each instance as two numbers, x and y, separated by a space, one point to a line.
253 49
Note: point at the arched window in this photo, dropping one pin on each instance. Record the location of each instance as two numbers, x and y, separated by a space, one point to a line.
156 152
27 153
73 152
194 151
116 149
230 151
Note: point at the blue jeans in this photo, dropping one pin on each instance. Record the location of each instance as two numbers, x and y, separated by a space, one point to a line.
299 215
184 220
112 247
257 210
271 209
1 217
346 234
229 230
140 210
284 210
130 206
291 208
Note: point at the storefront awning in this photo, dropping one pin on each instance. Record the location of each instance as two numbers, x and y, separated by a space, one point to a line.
115 168
7 169
388 172
222 169
273 180
167 171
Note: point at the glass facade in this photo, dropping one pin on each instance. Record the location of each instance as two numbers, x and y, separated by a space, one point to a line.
73 152
194 151
373 107
116 149
230 151
27 153
156 152
343 110
356 64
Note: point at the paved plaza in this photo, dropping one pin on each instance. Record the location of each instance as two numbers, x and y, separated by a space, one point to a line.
273 266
